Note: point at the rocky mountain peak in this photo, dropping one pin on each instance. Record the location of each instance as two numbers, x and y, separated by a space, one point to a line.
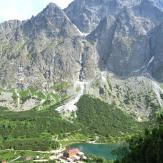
52 21
46 47
52 5
86 14
118 39
52 10
124 38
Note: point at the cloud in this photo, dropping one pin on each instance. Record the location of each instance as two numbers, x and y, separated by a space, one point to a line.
24 9
11 13
15 9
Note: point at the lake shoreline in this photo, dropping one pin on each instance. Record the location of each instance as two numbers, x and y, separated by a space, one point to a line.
103 150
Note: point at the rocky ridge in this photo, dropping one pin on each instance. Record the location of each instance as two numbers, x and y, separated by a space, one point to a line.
33 52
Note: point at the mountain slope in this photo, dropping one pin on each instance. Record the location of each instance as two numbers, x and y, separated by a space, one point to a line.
122 43
157 51
86 14
33 52
149 10
48 49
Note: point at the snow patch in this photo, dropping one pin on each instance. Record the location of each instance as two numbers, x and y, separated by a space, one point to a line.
151 60
81 33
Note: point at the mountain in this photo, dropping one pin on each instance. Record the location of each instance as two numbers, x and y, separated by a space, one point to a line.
122 43
158 4
149 10
33 51
124 33
86 14
90 72
125 41
119 61
157 52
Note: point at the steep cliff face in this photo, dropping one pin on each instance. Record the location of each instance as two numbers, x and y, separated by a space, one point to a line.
86 14
49 47
41 50
158 4
156 43
149 10
122 43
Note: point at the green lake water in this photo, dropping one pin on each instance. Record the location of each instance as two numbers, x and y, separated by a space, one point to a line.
100 150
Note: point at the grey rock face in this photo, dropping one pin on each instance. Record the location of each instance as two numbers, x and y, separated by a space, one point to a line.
49 47
126 39
86 14
52 21
122 43
157 52
148 9
138 96
158 4
129 43
8 27
42 50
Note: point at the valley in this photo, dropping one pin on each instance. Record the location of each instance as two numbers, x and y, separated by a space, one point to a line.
23 130
88 76
70 114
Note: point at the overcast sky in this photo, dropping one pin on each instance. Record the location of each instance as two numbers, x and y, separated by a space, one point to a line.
24 9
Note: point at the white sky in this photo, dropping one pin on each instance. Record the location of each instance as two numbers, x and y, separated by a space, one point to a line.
24 9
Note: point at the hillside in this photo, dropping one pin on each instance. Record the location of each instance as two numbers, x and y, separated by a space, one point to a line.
145 148
90 72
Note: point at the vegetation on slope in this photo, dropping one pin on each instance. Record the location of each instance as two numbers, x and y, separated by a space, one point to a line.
41 130
60 86
106 120
147 148
9 155
32 130
46 99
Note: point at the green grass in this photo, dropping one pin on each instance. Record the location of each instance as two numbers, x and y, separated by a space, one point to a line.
60 86
9 155
73 138
47 99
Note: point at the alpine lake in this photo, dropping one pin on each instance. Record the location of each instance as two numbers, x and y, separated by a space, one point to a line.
106 151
